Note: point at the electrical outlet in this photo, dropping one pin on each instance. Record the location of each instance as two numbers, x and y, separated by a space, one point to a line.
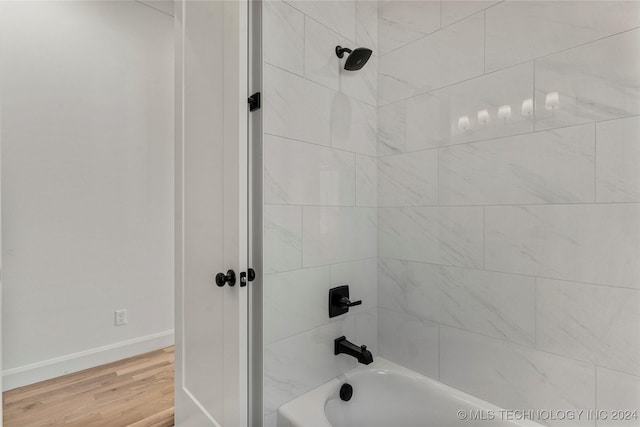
121 317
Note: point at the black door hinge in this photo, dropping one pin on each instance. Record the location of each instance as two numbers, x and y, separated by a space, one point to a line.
254 102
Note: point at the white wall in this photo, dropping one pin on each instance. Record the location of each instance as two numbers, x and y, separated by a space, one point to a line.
87 184
319 191
509 251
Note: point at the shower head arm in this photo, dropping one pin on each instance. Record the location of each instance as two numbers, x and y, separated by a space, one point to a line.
341 50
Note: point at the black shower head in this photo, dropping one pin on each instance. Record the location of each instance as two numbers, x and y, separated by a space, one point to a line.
356 59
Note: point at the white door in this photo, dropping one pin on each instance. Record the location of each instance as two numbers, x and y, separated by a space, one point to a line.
211 212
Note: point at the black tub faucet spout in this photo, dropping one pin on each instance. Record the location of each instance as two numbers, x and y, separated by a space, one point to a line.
342 345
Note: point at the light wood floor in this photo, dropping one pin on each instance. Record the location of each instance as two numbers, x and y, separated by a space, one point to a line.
135 392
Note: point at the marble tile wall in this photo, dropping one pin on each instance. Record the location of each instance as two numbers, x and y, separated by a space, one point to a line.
320 191
509 199
482 170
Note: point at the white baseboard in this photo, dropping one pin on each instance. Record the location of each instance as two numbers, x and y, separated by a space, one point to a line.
74 362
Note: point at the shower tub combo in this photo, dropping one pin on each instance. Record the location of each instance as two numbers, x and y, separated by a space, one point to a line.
384 394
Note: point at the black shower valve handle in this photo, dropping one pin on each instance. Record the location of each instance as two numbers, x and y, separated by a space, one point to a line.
339 302
344 301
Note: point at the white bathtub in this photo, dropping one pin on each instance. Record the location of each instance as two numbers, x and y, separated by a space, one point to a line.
388 395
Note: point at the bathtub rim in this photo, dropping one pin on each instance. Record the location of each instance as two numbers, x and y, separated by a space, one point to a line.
305 410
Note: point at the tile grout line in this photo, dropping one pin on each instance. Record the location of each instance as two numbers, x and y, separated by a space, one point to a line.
355 24
347 316
316 83
508 66
489 139
289 3
595 163
461 267
504 341
355 181
484 42
547 352
301 237
535 313
438 170
404 127
315 144
439 350
533 95
595 397
484 238
618 371
142 3
320 266
488 205
440 28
